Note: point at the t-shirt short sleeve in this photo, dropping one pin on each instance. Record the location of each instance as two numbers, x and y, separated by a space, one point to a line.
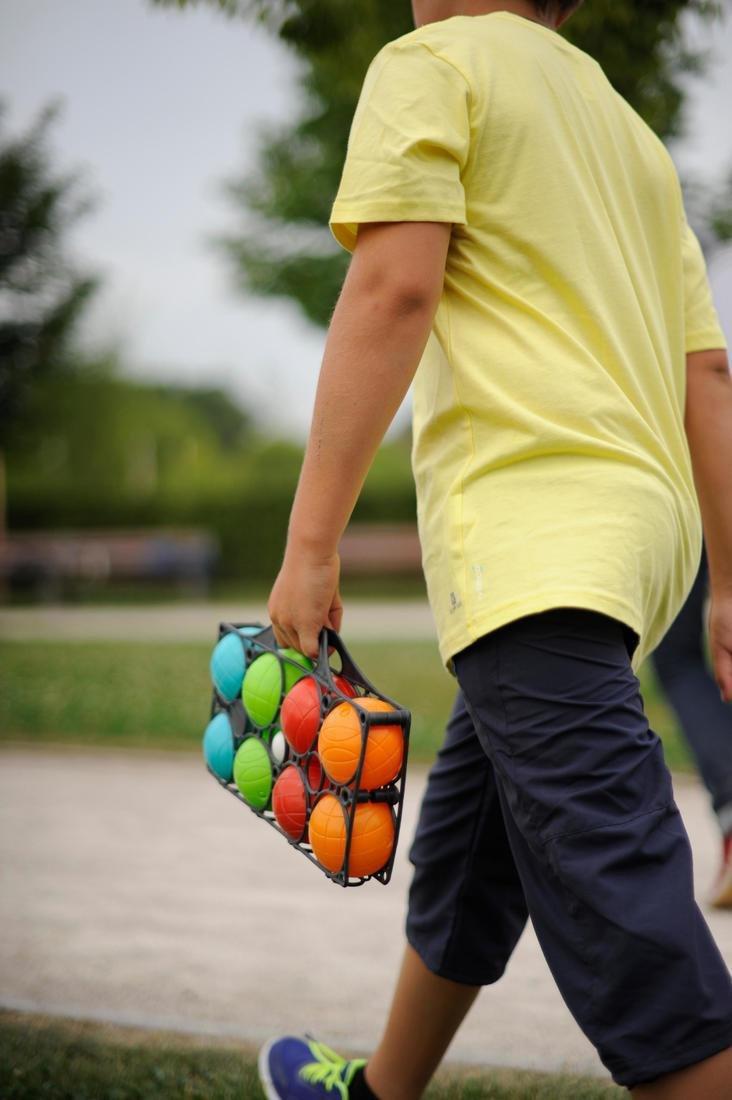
701 323
408 145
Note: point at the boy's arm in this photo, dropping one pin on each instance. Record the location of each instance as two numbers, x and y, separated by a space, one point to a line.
375 342
708 422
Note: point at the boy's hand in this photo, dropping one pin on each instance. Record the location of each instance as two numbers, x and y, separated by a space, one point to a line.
720 643
305 598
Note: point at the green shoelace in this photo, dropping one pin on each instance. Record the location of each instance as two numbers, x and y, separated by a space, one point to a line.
328 1069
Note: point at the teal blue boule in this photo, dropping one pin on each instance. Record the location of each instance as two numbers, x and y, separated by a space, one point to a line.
228 662
227 666
218 747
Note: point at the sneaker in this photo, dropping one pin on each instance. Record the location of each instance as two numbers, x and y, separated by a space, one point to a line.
303 1069
721 894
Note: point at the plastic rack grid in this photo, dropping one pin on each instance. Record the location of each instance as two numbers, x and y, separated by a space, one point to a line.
350 795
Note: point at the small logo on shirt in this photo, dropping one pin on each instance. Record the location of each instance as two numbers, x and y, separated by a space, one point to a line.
455 602
477 570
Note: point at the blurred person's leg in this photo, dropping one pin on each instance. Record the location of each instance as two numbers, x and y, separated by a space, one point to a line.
706 722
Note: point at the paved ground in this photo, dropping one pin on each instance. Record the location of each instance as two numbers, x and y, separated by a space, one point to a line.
195 622
133 889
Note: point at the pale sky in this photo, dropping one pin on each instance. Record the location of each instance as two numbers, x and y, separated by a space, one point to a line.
162 105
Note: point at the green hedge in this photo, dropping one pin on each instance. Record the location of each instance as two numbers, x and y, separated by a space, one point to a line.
105 452
250 522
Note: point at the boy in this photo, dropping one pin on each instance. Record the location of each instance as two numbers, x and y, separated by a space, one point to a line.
513 219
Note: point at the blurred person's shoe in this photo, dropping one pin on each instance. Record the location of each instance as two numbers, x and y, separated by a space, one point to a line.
721 893
291 1068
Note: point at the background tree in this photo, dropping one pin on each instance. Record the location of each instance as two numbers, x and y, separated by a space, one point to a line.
282 246
709 209
41 296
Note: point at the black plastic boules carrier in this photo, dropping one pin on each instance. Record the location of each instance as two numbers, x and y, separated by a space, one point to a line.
314 750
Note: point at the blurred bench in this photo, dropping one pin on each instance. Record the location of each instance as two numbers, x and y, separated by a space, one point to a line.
48 561
380 548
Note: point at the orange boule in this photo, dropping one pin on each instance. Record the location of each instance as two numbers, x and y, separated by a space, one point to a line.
300 713
341 737
372 840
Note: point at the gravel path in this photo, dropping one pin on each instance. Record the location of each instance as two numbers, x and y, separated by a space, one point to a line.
134 890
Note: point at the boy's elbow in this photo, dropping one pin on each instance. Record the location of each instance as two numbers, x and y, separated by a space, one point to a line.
701 365
401 265
708 387
410 298
402 294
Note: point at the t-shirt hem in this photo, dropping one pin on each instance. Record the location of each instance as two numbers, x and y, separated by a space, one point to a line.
344 217
483 623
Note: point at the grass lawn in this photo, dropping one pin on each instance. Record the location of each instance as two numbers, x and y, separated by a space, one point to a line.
69 1060
158 695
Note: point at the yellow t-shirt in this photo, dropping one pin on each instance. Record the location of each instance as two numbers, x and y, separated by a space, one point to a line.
549 453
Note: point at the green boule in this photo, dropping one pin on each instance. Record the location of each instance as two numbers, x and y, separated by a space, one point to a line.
263 684
253 772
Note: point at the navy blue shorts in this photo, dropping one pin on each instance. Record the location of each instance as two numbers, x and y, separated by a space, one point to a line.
551 798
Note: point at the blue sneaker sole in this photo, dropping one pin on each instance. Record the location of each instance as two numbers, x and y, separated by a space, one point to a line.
263 1069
